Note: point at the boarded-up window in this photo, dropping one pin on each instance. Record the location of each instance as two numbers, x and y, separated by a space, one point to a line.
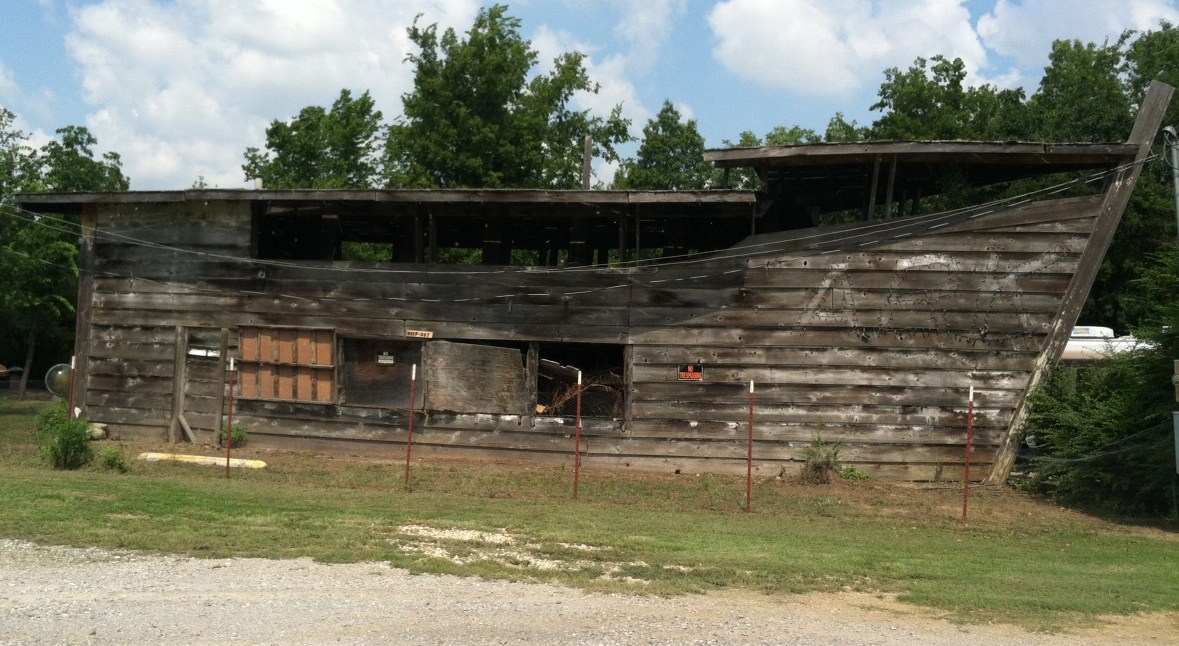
470 378
288 364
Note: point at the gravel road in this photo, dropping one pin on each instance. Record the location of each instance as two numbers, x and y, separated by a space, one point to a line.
57 595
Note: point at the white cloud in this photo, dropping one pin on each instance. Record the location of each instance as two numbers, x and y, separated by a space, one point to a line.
1024 32
614 86
180 89
9 90
835 47
646 25
612 74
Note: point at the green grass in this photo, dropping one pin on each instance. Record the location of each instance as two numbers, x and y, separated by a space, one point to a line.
1019 561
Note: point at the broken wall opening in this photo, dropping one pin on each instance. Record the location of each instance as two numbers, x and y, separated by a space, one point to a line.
602 369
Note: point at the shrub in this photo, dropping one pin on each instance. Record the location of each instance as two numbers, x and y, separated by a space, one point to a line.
822 461
854 473
239 436
66 442
1102 433
112 458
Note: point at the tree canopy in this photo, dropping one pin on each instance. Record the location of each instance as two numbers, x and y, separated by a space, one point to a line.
38 254
336 148
480 115
671 156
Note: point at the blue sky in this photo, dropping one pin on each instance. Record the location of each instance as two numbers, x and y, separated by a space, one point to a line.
180 88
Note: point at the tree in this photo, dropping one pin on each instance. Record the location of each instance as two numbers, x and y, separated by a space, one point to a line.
1149 57
480 116
932 102
840 130
671 156
1081 97
336 148
38 263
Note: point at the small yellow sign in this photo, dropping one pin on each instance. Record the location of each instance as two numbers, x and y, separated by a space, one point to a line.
419 334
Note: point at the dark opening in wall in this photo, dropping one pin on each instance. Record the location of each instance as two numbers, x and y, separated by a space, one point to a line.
378 373
602 378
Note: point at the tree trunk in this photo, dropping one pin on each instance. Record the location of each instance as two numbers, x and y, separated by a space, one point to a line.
29 351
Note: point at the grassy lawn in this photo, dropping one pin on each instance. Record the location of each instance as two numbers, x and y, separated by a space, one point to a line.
1019 560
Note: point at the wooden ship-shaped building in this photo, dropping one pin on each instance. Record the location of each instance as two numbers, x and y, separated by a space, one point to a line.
668 304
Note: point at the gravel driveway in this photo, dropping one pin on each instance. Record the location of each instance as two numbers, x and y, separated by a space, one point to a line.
56 595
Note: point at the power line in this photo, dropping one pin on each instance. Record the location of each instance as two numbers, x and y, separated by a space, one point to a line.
740 252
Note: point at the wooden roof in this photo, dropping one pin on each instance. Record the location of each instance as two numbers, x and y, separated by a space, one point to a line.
455 202
830 177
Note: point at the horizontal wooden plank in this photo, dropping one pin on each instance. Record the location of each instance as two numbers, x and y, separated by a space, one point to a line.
1054 280
116 416
899 299
960 320
499 313
864 336
832 394
161 404
872 415
970 260
805 433
850 375
1082 208
344 326
990 242
115 367
133 351
119 333
102 382
783 357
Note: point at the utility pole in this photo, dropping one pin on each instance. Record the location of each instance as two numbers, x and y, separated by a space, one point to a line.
1171 141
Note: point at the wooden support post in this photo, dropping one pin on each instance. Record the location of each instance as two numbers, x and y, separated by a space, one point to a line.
86 263
178 378
221 367
871 213
892 180
532 368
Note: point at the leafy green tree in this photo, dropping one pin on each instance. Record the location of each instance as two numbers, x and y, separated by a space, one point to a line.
840 130
335 148
481 116
932 102
38 254
67 164
671 156
1151 56
1081 97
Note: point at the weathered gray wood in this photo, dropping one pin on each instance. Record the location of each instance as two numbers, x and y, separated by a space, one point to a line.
471 378
86 292
178 381
865 336
817 393
671 356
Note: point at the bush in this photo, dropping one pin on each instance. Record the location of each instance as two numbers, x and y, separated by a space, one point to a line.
239 436
822 461
1101 433
112 458
65 442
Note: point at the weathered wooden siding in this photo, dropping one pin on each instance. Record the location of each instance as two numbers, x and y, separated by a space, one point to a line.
873 347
